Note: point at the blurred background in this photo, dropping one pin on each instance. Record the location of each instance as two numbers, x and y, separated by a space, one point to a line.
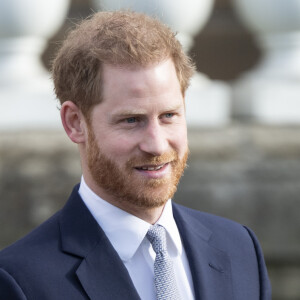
243 111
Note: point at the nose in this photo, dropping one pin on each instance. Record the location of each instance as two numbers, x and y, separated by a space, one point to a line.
154 140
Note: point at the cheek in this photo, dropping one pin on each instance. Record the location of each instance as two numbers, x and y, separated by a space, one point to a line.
119 147
179 142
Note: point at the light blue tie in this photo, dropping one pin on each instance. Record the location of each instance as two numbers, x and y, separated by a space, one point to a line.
164 276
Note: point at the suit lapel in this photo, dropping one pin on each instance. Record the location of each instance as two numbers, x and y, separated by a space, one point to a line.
210 267
104 276
101 272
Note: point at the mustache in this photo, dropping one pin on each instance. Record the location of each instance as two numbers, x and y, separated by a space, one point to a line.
153 160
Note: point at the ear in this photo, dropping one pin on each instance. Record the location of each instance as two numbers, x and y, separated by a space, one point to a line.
73 122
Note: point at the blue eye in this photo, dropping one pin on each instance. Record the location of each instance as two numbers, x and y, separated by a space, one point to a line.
131 120
169 115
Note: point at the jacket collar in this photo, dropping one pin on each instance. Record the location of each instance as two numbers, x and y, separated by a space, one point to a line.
210 267
81 236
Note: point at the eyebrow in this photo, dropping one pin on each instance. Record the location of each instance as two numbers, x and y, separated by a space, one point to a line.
139 112
129 112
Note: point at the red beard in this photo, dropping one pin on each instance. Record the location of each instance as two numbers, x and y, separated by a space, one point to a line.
126 185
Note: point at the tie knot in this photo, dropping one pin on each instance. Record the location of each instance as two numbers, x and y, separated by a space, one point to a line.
157 237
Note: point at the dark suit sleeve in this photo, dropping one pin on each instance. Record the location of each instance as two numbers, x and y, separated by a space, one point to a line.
9 289
265 286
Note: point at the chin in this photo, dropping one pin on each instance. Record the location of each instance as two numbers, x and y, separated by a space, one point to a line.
151 199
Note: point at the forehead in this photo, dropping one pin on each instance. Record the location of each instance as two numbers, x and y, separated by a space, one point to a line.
139 82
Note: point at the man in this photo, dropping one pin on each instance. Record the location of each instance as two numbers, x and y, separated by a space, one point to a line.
121 79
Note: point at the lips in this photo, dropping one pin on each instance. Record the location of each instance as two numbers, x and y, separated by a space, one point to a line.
151 167
154 171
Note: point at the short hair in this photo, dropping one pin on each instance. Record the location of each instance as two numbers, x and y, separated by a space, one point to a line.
118 38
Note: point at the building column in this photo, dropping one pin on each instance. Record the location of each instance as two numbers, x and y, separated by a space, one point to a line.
270 93
27 99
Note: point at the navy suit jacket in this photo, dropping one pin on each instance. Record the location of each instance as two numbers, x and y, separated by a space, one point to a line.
70 257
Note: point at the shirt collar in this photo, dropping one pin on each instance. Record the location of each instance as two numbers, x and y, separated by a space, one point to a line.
173 237
125 231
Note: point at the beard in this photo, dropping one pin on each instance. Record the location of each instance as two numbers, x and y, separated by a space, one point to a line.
126 185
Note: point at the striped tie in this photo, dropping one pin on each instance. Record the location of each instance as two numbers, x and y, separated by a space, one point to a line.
164 276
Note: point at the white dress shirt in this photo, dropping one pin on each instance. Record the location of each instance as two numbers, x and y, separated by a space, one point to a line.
127 234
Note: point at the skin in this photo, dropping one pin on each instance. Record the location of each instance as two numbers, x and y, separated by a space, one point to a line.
142 120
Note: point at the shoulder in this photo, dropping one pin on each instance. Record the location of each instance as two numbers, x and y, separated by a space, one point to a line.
223 233
235 241
33 246
211 221
28 265
43 241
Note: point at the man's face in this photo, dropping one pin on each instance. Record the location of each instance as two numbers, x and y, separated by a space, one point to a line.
137 142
